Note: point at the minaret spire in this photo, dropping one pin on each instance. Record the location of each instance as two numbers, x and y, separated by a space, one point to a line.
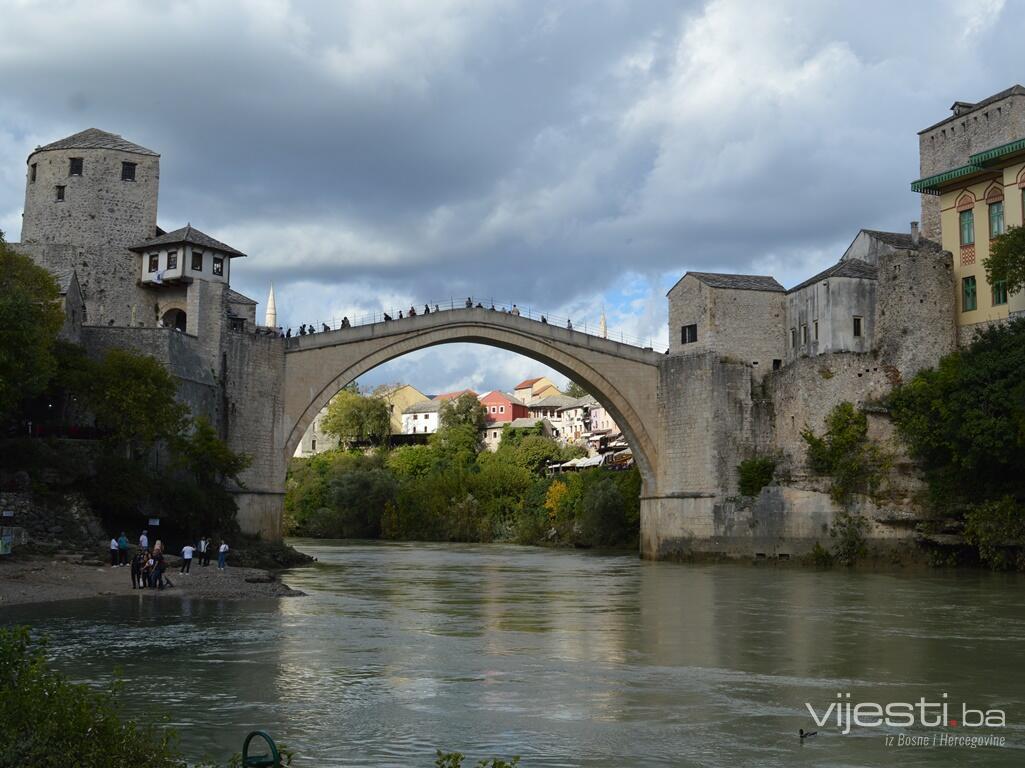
271 318
603 327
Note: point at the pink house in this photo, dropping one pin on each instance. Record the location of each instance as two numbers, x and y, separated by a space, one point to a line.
502 408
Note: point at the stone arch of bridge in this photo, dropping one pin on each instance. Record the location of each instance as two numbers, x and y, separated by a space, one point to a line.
626 388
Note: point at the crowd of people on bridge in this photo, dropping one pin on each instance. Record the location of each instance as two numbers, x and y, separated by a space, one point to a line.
308 329
148 566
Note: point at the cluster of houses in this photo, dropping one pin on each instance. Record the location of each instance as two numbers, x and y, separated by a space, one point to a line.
532 403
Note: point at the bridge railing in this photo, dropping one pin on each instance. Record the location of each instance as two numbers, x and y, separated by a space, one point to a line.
455 305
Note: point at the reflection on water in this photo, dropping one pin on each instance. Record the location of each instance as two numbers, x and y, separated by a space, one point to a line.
566 658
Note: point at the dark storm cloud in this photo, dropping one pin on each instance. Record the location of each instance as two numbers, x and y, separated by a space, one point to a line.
368 154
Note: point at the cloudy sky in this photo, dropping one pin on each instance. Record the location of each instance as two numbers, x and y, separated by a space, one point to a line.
567 156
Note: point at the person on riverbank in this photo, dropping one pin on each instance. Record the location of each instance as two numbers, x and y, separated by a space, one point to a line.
222 556
187 551
113 553
159 570
146 577
143 541
138 559
204 551
122 549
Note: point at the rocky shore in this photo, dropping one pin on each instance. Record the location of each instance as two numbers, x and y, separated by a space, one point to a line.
41 579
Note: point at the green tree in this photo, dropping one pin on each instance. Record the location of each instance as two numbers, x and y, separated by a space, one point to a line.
1006 260
845 453
132 397
30 319
964 421
465 410
575 390
411 460
355 418
205 505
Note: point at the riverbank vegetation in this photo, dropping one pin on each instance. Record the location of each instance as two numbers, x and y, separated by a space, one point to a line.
964 421
452 489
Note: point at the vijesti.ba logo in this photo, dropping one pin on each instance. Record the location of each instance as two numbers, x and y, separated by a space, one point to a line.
847 713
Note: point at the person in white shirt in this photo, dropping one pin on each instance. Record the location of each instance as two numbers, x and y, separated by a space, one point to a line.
204 551
187 551
222 555
113 553
143 541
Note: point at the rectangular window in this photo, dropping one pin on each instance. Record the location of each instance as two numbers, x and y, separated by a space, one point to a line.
804 334
218 265
75 167
154 262
996 219
857 327
816 330
999 293
60 193
968 298
777 364
197 261
501 409
172 259
313 444
689 334
32 173
127 171
967 219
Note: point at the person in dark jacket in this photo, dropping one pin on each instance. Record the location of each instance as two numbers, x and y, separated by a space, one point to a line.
137 560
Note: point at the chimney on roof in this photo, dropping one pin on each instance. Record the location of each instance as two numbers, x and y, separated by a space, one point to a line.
960 107
914 233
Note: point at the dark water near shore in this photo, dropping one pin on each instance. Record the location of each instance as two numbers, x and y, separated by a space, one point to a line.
565 658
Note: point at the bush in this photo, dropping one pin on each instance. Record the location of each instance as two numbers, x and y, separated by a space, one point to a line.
49 722
844 452
997 529
848 531
455 760
755 474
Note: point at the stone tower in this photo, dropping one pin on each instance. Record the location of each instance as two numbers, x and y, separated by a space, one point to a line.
91 190
970 128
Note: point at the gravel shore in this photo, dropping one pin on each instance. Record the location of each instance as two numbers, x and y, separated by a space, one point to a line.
40 579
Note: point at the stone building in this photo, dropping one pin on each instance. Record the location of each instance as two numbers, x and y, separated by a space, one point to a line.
972 186
91 219
739 317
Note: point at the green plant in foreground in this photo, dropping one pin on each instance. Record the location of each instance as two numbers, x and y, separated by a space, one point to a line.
49 722
997 529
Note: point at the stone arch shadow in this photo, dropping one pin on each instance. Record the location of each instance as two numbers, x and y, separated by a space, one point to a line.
602 387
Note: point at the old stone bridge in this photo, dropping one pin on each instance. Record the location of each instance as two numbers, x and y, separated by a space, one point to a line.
677 412
621 377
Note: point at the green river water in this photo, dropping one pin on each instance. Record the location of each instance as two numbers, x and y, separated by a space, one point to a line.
566 658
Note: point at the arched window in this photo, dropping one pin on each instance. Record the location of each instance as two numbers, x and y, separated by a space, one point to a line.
174 318
966 218
995 206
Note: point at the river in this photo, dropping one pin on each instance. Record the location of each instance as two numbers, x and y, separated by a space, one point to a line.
566 658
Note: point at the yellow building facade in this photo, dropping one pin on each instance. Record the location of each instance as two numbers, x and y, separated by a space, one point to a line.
975 161
973 211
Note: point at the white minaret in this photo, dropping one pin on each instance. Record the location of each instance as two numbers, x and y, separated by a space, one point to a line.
603 327
271 318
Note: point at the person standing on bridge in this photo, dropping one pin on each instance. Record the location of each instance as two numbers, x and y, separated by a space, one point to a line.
427 309
412 311
515 311
345 322
469 303
325 327
569 324
302 329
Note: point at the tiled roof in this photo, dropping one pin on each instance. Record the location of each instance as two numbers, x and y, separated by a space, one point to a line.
736 282
847 268
94 138
454 395
528 383
187 234
237 298
901 240
523 423
503 396
425 406
554 401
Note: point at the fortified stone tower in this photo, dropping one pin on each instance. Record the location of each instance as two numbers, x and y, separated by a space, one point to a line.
92 189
